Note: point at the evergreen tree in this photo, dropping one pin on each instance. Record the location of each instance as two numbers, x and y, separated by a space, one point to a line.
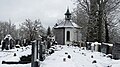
48 31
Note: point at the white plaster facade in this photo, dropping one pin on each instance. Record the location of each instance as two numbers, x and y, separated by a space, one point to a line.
73 35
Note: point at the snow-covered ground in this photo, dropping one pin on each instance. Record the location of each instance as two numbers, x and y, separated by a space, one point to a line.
79 58
8 55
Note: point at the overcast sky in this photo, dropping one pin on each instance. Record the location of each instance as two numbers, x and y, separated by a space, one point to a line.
48 11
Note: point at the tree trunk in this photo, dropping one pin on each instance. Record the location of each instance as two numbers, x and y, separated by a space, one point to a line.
106 32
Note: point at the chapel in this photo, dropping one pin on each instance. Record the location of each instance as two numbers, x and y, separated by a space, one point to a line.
67 31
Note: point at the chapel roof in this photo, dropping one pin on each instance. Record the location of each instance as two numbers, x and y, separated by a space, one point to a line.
67 24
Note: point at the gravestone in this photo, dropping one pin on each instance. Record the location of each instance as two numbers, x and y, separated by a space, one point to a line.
41 51
7 43
116 51
3 45
11 44
88 45
95 46
106 48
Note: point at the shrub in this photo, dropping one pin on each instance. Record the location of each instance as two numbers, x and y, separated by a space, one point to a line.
82 53
92 56
67 44
94 61
26 48
51 51
15 54
69 56
64 59
66 53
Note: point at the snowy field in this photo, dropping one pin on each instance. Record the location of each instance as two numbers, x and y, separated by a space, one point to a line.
79 58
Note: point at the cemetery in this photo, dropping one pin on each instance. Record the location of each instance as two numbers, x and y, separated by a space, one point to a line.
86 36
62 47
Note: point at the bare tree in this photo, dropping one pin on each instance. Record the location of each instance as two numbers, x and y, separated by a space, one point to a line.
86 17
7 28
98 13
110 11
31 29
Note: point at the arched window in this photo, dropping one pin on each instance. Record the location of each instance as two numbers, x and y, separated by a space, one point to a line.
68 35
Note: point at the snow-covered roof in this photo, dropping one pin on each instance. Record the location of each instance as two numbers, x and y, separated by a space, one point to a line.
95 43
67 23
108 44
8 36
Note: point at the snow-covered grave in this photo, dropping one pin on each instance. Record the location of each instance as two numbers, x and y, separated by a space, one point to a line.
8 55
63 56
